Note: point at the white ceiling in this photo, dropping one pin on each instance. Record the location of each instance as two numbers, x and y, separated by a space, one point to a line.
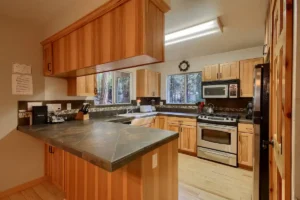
243 22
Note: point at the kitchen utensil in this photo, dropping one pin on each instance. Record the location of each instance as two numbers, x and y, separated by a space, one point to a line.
210 108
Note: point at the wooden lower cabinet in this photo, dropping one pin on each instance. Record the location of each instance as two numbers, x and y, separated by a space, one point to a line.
54 165
187 141
245 149
175 128
161 122
138 180
188 135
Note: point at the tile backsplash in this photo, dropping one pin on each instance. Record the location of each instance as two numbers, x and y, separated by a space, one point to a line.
24 112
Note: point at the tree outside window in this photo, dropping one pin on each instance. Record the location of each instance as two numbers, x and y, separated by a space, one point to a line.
113 88
184 88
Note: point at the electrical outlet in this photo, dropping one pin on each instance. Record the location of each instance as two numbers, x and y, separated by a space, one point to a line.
53 107
30 104
69 106
154 161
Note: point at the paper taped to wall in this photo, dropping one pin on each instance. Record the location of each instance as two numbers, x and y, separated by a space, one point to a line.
22 84
21 68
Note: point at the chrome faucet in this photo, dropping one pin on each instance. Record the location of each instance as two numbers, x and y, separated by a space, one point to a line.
128 110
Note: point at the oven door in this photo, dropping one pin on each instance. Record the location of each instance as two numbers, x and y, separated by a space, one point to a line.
215 91
218 137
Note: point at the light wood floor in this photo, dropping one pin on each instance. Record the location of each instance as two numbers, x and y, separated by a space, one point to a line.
204 180
198 180
43 191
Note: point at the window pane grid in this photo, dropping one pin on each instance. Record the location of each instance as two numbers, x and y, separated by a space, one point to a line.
184 88
113 88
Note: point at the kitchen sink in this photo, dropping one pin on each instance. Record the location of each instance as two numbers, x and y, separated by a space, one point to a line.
137 114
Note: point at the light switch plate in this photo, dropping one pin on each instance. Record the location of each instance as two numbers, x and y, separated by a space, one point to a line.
154 161
53 107
30 104
69 106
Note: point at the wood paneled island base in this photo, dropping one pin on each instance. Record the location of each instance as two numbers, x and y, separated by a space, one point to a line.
141 179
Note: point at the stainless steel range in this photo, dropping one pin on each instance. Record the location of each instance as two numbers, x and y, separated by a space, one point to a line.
217 138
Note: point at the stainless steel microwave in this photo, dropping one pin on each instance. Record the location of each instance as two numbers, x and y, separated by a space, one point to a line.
221 89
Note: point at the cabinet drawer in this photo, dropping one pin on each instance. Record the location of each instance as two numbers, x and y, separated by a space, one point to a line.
247 128
181 120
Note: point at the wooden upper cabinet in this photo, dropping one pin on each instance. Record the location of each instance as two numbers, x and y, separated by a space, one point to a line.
247 76
48 62
211 73
82 86
147 83
229 71
117 35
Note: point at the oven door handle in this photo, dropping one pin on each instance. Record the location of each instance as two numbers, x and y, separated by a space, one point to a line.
217 128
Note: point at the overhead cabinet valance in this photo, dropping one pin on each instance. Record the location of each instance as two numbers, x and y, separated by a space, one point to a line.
120 34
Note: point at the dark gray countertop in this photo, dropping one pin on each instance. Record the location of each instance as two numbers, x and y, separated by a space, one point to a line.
105 144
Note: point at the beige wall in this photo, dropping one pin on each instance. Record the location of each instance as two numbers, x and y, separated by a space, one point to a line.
296 106
21 156
197 63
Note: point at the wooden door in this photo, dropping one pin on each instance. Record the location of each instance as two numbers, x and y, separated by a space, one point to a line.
188 138
281 98
211 73
229 71
175 128
245 149
48 65
247 76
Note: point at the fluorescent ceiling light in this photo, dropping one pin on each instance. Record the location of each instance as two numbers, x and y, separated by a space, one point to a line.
207 28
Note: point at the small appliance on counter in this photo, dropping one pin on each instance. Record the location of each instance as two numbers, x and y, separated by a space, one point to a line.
221 89
39 115
55 119
249 110
83 112
146 109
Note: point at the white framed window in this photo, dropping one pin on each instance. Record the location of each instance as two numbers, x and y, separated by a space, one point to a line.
184 88
113 88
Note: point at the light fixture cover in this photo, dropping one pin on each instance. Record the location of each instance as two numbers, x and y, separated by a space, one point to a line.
200 30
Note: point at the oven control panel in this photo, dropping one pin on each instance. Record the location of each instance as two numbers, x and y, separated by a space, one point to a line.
217 119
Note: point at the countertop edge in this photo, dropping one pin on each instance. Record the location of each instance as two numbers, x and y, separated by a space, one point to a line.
99 162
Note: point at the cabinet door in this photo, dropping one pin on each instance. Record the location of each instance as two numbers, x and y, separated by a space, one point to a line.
82 86
246 76
54 165
175 128
162 120
188 138
156 84
211 73
245 149
48 65
229 71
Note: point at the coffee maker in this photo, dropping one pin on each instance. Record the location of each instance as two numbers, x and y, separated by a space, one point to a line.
249 110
